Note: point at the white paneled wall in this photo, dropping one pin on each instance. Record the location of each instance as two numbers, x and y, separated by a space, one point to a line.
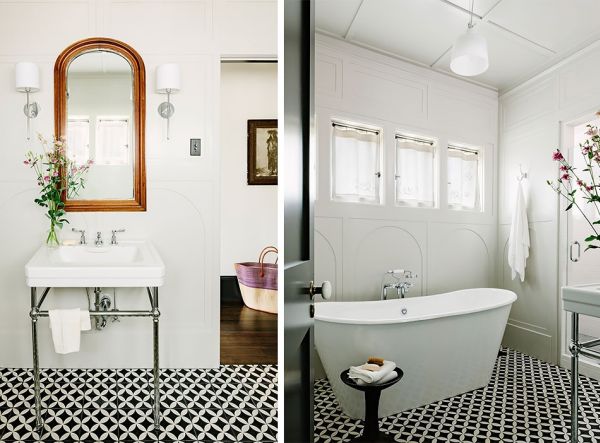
356 243
183 192
530 126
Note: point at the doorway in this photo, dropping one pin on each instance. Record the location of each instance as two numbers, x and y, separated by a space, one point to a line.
580 267
248 212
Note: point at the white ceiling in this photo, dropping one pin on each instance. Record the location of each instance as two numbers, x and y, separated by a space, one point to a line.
524 37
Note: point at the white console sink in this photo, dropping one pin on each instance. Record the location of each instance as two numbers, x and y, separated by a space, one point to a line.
582 299
128 264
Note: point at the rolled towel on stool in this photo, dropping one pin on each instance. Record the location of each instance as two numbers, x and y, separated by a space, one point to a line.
358 373
392 375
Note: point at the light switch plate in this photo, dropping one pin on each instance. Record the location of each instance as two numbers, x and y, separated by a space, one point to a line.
195 146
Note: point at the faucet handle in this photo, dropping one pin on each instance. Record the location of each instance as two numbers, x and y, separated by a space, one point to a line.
113 239
82 238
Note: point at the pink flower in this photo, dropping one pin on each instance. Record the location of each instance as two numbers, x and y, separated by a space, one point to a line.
592 131
589 188
27 162
47 178
55 174
557 156
564 168
580 183
586 149
565 177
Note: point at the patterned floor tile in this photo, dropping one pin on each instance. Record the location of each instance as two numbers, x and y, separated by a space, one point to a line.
526 400
99 425
98 405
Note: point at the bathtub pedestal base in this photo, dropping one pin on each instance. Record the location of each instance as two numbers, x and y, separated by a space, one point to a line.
371 432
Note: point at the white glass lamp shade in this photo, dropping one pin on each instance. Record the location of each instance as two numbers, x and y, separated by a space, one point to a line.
469 54
27 76
168 78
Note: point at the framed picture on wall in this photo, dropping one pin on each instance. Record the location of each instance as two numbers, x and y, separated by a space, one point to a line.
262 152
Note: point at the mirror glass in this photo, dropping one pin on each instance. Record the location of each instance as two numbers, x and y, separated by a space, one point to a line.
100 124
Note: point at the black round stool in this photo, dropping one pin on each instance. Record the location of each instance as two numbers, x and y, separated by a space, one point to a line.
371 432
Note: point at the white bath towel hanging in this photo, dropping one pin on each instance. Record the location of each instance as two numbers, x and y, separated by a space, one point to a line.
66 326
518 242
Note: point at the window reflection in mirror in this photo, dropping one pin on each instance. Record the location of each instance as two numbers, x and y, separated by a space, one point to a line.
100 124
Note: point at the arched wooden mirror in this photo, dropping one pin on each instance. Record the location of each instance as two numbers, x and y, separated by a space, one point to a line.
100 108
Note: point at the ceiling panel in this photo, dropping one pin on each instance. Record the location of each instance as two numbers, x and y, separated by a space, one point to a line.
335 16
524 37
555 24
417 29
481 8
510 58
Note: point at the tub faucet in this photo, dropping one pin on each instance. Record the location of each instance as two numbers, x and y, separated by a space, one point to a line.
401 285
99 242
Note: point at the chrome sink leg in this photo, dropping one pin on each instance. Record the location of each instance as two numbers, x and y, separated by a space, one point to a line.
574 348
36 363
156 374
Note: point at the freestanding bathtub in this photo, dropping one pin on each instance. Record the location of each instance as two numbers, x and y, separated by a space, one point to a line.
446 344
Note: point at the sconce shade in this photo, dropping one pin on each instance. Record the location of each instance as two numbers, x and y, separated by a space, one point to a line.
27 77
469 54
168 78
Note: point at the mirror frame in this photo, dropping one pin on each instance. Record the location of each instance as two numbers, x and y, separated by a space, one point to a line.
61 67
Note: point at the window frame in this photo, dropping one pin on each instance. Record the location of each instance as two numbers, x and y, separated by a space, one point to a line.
111 118
480 197
86 120
433 142
379 184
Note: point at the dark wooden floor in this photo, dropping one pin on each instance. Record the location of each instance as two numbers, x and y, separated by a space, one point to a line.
247 336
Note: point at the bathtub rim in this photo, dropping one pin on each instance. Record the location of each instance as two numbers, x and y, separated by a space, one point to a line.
509 298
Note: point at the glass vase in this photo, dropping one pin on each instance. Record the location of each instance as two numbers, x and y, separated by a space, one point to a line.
52 237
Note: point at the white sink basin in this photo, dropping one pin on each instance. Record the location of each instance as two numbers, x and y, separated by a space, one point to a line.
583 299
128 264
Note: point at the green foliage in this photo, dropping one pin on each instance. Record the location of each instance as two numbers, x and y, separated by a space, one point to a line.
56 175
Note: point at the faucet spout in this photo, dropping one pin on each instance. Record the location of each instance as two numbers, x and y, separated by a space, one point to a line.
99 242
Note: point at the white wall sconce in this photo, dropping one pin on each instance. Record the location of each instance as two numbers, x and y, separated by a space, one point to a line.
168 81
27 76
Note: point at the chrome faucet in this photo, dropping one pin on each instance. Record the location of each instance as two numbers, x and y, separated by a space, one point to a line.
113 238
82 238
401 285
99 242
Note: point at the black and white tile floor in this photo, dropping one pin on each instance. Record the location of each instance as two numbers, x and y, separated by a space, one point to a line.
526 401
233 403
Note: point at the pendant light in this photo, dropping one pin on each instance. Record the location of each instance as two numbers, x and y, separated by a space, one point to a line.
469 53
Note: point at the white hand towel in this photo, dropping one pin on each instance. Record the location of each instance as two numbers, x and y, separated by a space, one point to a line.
357 373
392 375
518 242
66 326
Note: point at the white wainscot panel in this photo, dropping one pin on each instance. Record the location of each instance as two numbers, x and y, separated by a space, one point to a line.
28 27
371 247
529 104
579 81
151 27
328 76
533 152
388 94
328 254
246 27
532 326
462 116
460 257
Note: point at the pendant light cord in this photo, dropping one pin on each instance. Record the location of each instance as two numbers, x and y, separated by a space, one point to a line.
471 19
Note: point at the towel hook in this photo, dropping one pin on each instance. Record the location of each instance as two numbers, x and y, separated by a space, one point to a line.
522 174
